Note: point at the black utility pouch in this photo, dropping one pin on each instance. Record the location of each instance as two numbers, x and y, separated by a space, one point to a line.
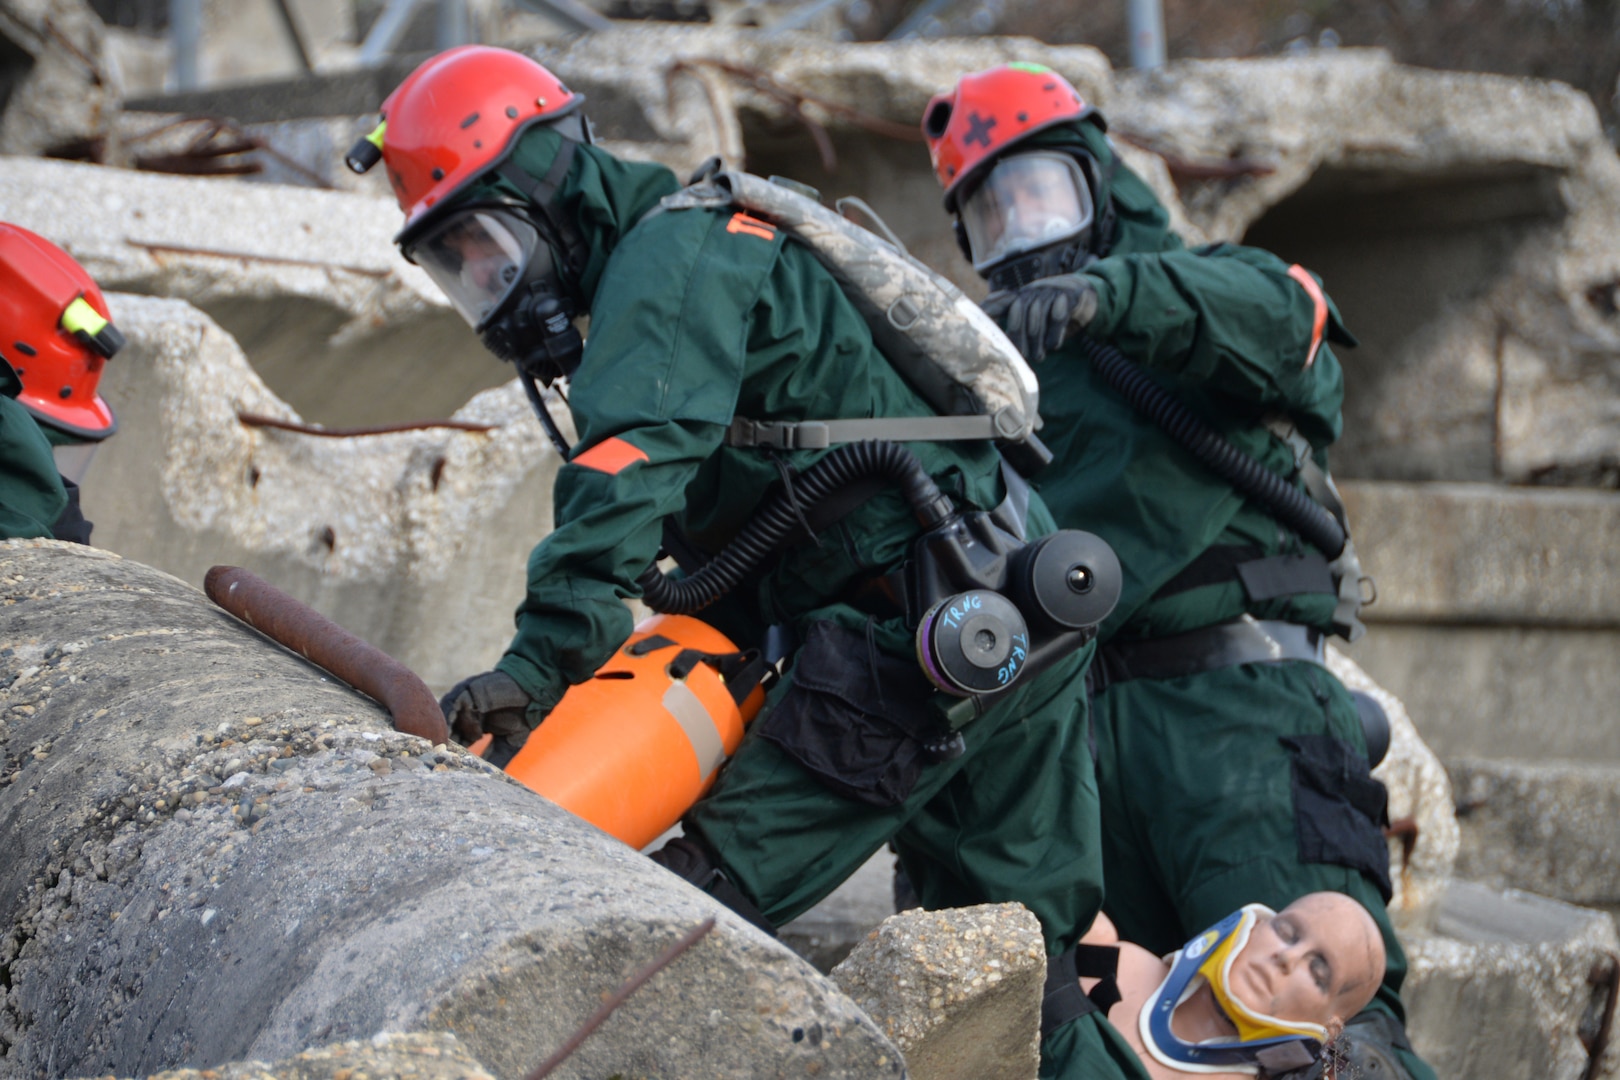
855 717
1339 809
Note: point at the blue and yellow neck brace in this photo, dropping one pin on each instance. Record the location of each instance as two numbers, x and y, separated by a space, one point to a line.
1261 1040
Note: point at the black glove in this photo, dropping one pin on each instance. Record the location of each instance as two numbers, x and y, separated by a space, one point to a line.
1041 313
489 704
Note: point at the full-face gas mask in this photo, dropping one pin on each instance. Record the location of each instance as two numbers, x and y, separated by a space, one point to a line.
1032 216
500 274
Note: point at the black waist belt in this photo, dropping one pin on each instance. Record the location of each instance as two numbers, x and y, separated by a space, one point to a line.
1245 640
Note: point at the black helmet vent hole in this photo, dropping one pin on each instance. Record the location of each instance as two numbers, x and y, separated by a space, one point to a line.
938 119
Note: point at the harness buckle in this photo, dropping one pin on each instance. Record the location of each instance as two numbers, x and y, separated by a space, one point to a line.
779 434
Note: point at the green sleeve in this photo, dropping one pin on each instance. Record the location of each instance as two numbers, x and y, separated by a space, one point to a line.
31 493
1236 322
654 393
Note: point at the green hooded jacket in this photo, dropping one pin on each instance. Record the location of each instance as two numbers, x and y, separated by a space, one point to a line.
699 316
31 491
1233 333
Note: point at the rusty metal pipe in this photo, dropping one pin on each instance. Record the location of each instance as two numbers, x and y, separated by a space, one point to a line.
299 627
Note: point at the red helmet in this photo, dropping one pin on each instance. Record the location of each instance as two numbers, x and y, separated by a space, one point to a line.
990 111
55 332
454 117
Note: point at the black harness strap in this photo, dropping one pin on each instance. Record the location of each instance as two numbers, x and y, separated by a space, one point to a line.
740 671
542 194
1100 962
1262 577
1245 640
1285 575
1064 1000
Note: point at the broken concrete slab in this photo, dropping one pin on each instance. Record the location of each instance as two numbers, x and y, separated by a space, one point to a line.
1423 844
1546 827
214 853
959 991
1521 992
415 541
56 94
309 282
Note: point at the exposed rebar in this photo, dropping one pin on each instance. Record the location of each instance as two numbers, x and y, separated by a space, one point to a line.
258 420
299 627
617 998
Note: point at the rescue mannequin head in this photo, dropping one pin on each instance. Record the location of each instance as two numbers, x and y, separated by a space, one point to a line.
1023 210
509 264
56 333
1263 990
1319 960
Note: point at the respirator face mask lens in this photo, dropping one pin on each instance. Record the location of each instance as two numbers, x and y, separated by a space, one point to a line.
478 256
1026 201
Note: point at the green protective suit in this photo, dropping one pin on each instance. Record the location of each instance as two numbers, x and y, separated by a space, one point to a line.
31 491
1205 807
698 316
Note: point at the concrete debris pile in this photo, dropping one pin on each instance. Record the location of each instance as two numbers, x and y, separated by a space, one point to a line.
215 854
1465 224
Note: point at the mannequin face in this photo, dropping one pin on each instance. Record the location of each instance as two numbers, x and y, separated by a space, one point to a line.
1319 959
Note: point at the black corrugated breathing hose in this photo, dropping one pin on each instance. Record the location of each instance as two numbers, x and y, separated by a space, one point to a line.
1293 507
779 517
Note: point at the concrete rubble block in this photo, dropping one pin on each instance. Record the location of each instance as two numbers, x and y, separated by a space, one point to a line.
1483 553
212 853
1423 844
56 92
386 1055
959 991
1549 827
1507 691
308 282
416 541
1513 984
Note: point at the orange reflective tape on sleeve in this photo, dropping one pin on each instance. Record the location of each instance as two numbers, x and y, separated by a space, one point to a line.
610 456
750 226
1308 283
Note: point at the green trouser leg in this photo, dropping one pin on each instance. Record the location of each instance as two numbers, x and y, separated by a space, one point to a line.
1198 807
1014 818
1086 1049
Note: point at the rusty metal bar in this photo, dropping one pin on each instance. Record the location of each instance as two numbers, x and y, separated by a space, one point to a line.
322 642
258 420
617 998
248 256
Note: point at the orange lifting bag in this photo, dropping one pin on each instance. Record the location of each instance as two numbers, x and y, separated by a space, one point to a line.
631 750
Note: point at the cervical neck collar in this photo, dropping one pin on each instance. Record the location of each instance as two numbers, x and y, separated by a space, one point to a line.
1262 1041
